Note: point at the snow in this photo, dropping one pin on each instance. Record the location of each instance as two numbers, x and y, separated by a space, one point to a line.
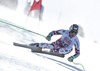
14 58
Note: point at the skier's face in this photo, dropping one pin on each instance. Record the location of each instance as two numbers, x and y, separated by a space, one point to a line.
72 34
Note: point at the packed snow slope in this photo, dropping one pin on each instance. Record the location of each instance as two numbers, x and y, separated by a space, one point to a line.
21 59
14 58
55 17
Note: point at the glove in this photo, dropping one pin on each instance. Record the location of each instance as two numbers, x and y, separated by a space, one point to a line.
70 59
48 38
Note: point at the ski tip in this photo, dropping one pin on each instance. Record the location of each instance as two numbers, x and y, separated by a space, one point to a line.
14 43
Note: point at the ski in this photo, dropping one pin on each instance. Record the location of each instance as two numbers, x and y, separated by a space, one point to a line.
35 50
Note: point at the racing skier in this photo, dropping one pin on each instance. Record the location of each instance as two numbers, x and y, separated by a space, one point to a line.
64 45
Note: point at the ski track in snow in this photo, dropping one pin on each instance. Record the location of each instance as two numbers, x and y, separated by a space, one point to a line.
18 64
63 64
7 61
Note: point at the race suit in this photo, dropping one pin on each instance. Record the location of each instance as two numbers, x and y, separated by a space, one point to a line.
64 45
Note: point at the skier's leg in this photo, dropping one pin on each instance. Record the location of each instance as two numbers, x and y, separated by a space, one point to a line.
35 45
64 51
42 45
46 45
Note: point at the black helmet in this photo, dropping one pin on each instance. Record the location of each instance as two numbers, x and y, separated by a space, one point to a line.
74 28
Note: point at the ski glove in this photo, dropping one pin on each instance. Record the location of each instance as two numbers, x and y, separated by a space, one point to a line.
48 38
70 59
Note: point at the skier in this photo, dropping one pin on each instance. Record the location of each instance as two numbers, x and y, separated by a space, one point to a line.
63 45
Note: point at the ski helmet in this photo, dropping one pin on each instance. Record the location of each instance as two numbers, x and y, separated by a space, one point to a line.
74 28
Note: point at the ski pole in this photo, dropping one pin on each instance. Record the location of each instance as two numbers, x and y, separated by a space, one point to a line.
80 65
27 16
22 28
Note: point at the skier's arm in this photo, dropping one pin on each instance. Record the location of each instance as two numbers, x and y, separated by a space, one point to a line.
77 49
57 32
77 53
71 58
